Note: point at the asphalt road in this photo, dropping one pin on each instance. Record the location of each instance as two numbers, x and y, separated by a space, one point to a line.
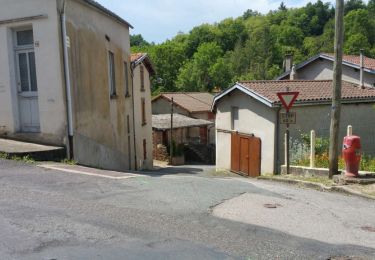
175 214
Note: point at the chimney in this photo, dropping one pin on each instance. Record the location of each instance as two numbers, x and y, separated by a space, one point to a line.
288 62
362 64
293 73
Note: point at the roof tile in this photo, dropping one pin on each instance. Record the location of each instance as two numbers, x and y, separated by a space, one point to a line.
191 101
310 90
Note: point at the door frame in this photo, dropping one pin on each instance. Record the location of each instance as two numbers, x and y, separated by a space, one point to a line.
17 50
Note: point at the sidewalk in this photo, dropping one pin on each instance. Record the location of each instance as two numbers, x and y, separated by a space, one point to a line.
364 191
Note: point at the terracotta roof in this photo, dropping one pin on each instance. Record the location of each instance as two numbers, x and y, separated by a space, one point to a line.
137 58
369 63
163 121
310 90
190 101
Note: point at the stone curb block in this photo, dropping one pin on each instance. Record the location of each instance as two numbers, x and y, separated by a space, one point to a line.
319 186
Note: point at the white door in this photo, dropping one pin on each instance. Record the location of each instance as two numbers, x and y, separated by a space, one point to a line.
27 85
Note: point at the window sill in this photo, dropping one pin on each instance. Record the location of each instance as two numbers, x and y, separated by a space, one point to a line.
143 124
127 95
143 89
114 96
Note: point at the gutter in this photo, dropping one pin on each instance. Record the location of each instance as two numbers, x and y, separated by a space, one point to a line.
68 88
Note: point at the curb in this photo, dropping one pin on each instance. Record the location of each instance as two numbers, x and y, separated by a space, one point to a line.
319 186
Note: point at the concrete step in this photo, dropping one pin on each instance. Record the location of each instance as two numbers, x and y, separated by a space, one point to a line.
37 152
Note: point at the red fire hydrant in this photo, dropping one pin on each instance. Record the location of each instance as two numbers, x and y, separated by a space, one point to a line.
352 155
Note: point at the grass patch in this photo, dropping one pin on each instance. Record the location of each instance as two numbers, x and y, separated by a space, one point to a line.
4 156
25 159
69 162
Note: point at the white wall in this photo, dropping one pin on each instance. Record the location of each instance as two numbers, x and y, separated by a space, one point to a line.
254 118
323 70
48 68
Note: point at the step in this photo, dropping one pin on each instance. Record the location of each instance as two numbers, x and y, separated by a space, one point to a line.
37 152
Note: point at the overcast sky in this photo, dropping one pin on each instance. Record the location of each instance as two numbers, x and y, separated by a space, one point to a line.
159 20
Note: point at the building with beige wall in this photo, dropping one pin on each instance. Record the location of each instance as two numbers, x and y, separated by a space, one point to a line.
142 70
250 110
65 79
320 67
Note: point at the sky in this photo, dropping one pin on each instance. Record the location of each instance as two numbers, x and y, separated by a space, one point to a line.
159 20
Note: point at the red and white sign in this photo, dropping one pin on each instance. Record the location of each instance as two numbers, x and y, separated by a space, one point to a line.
287 99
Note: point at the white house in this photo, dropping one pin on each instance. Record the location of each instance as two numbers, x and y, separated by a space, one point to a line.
356 69
65 79
249 137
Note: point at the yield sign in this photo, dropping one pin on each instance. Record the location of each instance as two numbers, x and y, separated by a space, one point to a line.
287 98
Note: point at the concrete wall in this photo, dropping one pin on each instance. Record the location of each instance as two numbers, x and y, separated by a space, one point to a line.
103 137
254 118
48 69
360 116
323 69
143 132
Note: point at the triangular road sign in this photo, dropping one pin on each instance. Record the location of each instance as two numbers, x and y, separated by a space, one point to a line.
287 98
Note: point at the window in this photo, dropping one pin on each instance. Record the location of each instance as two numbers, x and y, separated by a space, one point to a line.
25 37
25 58
234 118
142 78
143 104
144 149
112 75
127 94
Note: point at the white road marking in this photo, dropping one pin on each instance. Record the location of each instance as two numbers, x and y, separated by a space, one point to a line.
52 167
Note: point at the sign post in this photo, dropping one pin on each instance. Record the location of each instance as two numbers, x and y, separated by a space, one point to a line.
287 100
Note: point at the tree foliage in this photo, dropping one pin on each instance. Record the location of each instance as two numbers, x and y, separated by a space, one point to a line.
253 45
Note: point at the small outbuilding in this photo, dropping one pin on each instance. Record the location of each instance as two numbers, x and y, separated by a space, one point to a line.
250 138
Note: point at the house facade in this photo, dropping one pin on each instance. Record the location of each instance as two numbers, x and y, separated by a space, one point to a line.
142 70
320 67
64 79
250 138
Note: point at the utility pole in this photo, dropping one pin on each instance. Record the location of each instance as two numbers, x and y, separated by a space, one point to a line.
336 91
171 136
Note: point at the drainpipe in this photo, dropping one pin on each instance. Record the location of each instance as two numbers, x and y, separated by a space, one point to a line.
361 69
67 81
134 139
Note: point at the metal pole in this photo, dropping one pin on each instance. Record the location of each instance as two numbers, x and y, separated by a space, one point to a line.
312 149
171 136
287 150
336 92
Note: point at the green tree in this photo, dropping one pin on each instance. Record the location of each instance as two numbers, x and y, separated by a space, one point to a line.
195 74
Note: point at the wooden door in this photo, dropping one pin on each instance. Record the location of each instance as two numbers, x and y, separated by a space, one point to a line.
246 155
203 134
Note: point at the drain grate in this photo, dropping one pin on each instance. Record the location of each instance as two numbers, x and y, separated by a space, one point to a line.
368 228
271 206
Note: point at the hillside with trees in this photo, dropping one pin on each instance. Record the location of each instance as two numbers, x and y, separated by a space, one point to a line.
253 45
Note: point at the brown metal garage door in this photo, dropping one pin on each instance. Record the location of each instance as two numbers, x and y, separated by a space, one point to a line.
246 151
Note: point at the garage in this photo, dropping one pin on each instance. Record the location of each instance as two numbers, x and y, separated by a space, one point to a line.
245 154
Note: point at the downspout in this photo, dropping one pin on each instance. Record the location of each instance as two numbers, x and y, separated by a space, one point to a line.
67 81
277 139
134 139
